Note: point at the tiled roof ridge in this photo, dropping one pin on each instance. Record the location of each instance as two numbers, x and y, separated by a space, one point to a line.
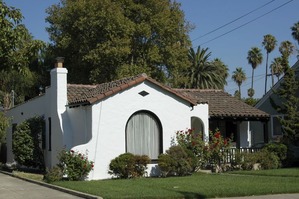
199 89
100 91
83 85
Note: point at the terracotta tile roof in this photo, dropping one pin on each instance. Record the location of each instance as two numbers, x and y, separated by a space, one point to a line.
89 94
223 105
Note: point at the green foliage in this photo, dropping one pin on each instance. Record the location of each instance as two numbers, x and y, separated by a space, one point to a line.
203 154
22 145
52 175
26 143
289 105
104 40
203 73
128 165
74 165
266 159
18 54
4 123
278 149
250 101
175 162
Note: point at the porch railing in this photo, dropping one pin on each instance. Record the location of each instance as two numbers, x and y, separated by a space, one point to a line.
230 154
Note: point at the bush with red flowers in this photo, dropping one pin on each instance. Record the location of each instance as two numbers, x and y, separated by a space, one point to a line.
74 165
212 153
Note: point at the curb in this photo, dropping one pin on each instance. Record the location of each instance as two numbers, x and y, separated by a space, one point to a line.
69 191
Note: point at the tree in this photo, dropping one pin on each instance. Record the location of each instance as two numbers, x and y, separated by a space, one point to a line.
295 31
4 123
26 142
276 67
17 51
205 74
289 106
286 48
103 40
269 44
239 76
254 58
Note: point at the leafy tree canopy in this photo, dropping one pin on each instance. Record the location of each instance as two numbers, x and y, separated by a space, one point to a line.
18 51
103 40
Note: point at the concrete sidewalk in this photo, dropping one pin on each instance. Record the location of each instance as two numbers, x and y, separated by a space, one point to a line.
15 188
277 196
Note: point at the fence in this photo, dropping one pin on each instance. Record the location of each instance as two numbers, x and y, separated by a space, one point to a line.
230 154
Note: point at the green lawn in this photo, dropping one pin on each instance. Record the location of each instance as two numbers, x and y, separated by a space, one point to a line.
195 186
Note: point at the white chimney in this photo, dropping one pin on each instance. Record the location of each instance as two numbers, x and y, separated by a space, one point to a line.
59 85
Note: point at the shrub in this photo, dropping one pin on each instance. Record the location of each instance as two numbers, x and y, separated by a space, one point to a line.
278 148
204 154
26 143
128 165
175 162
141 162
53 174
266 159
74 165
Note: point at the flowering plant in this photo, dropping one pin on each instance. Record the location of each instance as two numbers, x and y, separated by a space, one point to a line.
203 153
74 165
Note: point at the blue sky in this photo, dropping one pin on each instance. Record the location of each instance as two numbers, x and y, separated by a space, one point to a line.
207 16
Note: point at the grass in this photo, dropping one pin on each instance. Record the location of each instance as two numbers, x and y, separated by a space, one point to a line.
195 186
289 172
31 176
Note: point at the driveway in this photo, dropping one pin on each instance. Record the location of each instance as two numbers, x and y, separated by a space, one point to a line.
15 188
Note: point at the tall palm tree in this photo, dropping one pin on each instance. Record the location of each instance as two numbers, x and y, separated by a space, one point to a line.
286 48
269 44
204 74
239 76
295 31
254 58
276 67
222 71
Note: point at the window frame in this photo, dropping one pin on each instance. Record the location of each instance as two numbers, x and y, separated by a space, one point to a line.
160 129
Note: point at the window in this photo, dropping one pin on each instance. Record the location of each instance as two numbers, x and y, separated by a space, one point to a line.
144 135
276 127
197 125
50 134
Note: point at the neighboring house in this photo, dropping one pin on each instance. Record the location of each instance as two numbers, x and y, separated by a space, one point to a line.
136 114
273 128
229 115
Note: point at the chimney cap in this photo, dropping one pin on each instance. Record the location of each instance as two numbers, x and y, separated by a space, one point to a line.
60 59
59 62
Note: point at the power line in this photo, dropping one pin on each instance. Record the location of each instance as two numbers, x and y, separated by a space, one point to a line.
232 21
246 23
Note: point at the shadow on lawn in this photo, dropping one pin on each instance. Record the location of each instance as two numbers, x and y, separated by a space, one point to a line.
189 195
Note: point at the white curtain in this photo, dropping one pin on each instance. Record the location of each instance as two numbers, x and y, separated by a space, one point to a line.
143 136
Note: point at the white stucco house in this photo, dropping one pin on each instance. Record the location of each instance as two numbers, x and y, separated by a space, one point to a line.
135 114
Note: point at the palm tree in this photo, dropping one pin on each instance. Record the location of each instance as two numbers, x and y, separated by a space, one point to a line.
204 74
239 76
269 44
286 48
295 31
222 70
254 58
276 67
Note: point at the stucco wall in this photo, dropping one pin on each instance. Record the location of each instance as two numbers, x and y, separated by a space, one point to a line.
109 118
34 107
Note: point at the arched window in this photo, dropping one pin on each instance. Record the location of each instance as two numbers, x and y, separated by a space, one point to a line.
197 125
144 134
